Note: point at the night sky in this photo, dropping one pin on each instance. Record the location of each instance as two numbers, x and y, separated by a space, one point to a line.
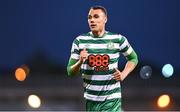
29 28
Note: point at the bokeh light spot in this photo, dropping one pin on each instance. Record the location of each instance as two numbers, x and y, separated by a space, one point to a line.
20 74
163 101
146 72
167 70
34 101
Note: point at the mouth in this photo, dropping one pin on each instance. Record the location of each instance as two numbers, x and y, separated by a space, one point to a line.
93 25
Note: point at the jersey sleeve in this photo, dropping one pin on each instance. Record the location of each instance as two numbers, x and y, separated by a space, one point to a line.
75 50
74 56
127 50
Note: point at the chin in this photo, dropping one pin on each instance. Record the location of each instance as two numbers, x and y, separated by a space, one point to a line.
94 30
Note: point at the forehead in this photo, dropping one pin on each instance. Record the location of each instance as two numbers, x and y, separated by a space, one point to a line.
96 11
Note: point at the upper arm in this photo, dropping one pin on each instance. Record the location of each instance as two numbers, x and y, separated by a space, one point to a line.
132 57
127 50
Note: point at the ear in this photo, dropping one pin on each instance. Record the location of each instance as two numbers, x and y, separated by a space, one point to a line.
105 20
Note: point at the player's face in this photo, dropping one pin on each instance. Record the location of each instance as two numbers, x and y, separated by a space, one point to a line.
96 20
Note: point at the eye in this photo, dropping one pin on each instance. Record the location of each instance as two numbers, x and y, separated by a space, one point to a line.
96 16
89 17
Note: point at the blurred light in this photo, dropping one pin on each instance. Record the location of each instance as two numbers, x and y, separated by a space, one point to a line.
21 73
146 72
163 101
167 70
34 101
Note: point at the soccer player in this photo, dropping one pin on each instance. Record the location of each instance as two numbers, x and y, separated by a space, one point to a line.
95 55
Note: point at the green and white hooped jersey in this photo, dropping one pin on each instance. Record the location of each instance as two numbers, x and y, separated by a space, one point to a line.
97 71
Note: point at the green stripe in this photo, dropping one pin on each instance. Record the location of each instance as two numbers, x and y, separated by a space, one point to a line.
125 49
101 93
76 42
122 40
106 82
100 41
114 60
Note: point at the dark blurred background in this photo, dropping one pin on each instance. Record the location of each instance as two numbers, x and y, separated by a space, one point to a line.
39 34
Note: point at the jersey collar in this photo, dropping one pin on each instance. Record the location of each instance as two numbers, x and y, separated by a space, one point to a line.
91 34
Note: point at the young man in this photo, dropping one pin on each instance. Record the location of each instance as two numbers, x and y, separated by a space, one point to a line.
96 56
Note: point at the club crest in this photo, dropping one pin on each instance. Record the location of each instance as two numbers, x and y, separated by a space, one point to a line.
110 45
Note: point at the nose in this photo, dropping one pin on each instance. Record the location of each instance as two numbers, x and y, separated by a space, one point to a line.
91 20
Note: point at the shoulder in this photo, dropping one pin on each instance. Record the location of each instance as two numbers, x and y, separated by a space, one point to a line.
82 36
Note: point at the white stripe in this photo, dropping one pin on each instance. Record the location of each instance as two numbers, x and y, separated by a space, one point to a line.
94 97
75 46
101 88
106 37
84 37
75 56
128 52
125 43
87 67
113 37
115 55
102 98
97 46
115 95
114 65
97 77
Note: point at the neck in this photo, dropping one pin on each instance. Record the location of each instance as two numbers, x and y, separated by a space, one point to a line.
98 33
